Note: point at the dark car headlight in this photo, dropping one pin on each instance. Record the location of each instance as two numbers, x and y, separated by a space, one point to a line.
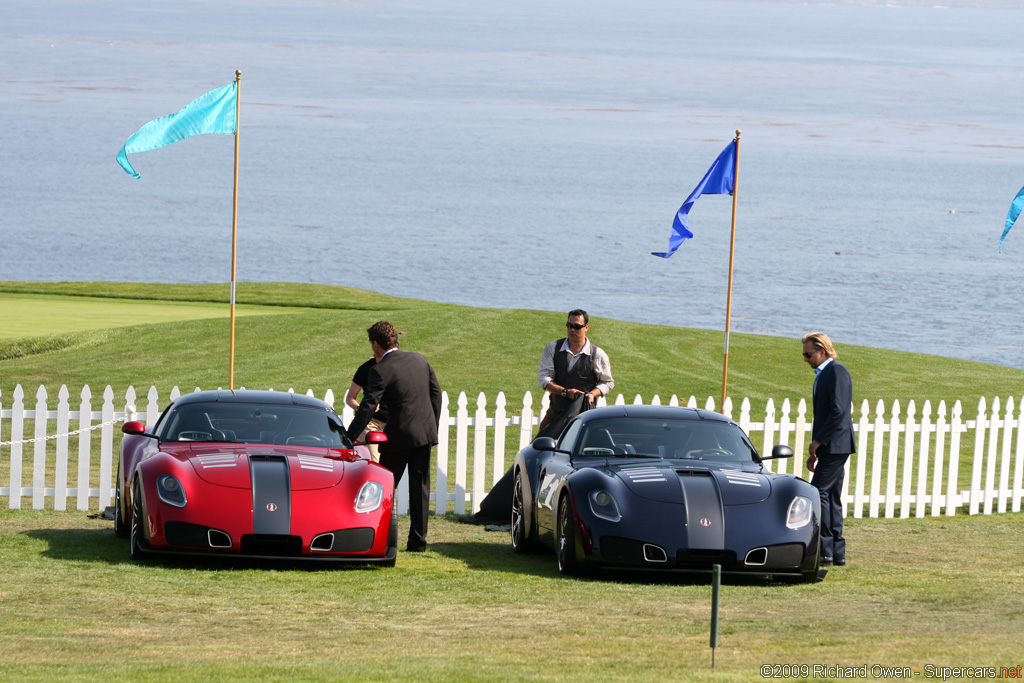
799 513
169 489
604 506
371 495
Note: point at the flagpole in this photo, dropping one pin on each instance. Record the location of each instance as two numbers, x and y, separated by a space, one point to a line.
234 236
732 254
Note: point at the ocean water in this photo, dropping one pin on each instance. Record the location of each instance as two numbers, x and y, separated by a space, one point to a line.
532 154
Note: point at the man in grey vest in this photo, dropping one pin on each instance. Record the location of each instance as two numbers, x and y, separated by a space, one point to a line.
572 366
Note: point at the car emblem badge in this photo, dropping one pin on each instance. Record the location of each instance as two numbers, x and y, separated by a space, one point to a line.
705 522
271 507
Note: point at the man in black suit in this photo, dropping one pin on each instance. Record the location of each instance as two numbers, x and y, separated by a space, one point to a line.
406 383
831 441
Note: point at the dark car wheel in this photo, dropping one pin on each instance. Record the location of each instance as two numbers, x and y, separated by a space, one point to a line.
565 539
392 538
523 540
120 528
135 550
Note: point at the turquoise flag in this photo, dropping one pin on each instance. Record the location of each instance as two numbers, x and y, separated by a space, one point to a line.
1015 207
214 112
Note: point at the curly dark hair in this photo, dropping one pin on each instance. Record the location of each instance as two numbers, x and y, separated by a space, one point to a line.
384 334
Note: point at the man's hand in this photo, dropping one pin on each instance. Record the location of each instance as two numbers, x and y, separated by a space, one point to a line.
812 458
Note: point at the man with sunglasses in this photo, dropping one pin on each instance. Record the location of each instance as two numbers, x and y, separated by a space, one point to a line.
572 366
831 441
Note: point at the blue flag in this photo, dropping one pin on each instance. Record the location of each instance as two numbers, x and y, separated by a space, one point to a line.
214 112
1015 207
720 179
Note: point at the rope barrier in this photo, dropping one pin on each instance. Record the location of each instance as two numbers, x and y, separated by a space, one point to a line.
58 436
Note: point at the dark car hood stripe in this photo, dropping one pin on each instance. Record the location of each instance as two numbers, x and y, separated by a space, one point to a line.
705 515
271 494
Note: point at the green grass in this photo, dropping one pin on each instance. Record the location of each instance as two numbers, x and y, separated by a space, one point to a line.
472 349
75 608
32 315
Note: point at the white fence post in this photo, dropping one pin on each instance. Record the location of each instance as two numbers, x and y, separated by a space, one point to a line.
908 459
461 447
84 450
1002 497
953 499
441 490
922 462
479 452
980 426
500 422
60 480
861 456
39 451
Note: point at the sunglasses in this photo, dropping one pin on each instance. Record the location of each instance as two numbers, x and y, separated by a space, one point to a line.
808 355
574 326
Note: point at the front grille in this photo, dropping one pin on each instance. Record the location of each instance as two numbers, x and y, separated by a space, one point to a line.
187 535
697 558
274 545
617 549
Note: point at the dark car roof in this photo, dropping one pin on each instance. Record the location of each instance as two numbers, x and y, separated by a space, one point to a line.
251 396
651 412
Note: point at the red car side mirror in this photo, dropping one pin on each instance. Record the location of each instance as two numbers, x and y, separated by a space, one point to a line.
136 428
376 437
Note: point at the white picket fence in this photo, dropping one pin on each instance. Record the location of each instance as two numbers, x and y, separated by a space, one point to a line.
906 463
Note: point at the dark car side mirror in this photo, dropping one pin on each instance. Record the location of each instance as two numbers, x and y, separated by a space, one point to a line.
543 443
135 428
780 451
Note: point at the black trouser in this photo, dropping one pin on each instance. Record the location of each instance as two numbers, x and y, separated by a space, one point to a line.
828 479
418 461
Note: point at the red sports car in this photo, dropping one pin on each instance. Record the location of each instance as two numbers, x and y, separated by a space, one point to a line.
257 474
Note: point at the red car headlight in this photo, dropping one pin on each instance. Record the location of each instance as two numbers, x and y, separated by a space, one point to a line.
170 491
370 497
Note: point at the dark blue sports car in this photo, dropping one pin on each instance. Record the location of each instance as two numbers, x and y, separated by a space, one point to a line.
664 488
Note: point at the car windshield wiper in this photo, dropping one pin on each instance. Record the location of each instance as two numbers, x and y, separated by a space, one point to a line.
636 455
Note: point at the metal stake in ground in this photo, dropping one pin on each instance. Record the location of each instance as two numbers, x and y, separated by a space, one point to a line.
716 584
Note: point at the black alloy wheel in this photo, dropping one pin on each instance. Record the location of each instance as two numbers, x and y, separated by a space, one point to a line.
392 537
565 539
135 550
120 528
522 540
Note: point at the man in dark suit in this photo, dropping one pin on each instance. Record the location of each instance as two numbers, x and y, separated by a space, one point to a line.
831 441
406 383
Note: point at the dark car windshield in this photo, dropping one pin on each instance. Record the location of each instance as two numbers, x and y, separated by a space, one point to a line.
251 423
683 439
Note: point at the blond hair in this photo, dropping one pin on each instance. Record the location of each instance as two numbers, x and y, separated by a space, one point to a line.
821 342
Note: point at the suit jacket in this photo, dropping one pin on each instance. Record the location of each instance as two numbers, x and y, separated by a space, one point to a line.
406 383
833 418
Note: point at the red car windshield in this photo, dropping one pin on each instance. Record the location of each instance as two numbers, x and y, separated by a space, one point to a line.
251 423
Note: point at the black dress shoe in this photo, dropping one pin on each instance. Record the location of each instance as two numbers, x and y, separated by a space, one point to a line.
411 549
826 562
840 563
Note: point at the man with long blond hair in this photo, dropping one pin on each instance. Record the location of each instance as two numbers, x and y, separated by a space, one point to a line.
831 440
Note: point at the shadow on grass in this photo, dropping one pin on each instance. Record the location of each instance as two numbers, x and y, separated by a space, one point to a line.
501 558
101 546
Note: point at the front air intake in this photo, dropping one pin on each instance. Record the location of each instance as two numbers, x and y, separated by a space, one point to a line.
653 553
322 543
756 557
218 539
